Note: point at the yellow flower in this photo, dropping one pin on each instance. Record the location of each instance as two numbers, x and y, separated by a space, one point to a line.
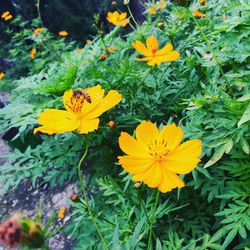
112 49
152 10
152 54
83 108
160 5
63 33
61 213
118 19
156 157
79 50
198 13
103 56
37 31
2 75
8 17
5 14
33 53
88 41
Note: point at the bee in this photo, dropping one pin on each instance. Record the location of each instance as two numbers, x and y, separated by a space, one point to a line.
82 92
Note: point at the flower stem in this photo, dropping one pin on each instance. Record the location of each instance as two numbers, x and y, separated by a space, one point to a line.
152 219
85 196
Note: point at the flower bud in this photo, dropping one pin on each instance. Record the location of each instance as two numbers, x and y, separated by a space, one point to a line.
111 124
103 56
114 3
137 184
161 25
126 2
74 197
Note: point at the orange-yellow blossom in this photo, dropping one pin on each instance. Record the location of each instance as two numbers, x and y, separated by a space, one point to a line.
2 75
33 53
63 33
6 16
156 157
198 13
37 31
83 109
154 56
160 5
117 19
61 213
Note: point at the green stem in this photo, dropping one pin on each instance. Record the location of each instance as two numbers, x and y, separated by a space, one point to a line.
212 52
132 16
152 219
86 198
144 210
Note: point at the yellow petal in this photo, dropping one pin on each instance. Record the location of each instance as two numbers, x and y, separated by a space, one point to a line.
131 147
45 130
153 177
185 158
122 16
172 135
146 132
134 164
169 181
59 121
171 56
87 126
125 22
108 102
152 43
141 48
166 49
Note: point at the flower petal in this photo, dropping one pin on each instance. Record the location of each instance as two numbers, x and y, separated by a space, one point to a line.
146 132
153 177
184 158
172 135
87 126
170 181
131 147
166 49
171 56
134 164
45 130
141 48
152 43
109 101
59 121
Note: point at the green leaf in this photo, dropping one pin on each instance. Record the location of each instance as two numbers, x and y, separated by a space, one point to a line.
245 117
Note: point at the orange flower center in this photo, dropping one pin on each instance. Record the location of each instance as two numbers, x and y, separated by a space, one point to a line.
158 149
76 102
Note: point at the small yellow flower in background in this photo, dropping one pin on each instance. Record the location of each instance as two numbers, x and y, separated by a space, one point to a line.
152 10
156 157
117 19
6 16
2 75
160 5
198 13
203 2
88 41
37 31
152 54
112 49
79 50
61 213
33 53
83 108
63 33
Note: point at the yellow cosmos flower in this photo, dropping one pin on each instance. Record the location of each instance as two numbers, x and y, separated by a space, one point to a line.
198 13
33 53
5 14
61 213
2 75
160 5
152 54
37 31
63 33
83 108
156 157
118 19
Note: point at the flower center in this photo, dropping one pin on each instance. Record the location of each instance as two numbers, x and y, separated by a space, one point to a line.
77 100
158 149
